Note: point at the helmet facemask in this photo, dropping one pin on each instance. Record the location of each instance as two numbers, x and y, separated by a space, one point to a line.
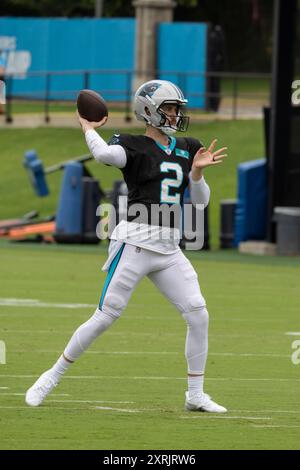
166 125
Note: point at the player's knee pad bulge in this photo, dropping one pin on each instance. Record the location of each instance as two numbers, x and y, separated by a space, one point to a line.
113 305
197 318
195 302
192 304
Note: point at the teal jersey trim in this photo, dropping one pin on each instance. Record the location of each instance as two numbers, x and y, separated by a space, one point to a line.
182 153
110 274
172 144
168 149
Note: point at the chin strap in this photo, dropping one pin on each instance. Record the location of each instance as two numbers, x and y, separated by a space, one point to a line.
167 130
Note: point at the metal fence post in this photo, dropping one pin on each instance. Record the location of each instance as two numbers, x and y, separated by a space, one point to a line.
180 81
47 96
234 97
128 98
8 107
86 80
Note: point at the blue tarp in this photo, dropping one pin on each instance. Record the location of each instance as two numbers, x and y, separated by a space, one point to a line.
251 209
108 45
182 47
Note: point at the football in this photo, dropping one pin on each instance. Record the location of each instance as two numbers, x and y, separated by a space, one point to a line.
91 106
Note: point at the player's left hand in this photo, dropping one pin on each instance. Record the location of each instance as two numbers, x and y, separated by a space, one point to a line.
208 157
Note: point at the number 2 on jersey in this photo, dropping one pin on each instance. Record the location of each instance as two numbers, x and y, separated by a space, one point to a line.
167 183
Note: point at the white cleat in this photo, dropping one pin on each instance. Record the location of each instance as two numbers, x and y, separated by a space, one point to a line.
36 394
202 402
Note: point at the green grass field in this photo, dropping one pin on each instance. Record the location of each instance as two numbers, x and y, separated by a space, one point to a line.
243 138
247 87
127 392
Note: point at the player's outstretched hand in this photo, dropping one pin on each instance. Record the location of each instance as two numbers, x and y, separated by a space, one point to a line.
86 125
208 157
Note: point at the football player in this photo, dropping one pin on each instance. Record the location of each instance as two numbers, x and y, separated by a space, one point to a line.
157 167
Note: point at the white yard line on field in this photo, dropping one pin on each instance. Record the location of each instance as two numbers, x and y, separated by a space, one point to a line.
93 401
46 332
122 410
23 394
51 351
126 377
121 333
101 408
200 416
45 408
293 333
153 353
267 411
272 426
39 303
195 415
83 409
250 354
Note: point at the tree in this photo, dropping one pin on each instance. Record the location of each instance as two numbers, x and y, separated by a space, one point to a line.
247 24
44 8
71 8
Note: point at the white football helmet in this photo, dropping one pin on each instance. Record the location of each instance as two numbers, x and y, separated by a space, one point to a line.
149 99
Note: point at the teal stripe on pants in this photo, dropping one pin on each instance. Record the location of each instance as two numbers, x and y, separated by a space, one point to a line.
110 274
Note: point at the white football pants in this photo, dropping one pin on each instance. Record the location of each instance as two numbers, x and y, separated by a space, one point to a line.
173 275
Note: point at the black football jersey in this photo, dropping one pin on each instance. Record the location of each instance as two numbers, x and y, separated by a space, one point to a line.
155 174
